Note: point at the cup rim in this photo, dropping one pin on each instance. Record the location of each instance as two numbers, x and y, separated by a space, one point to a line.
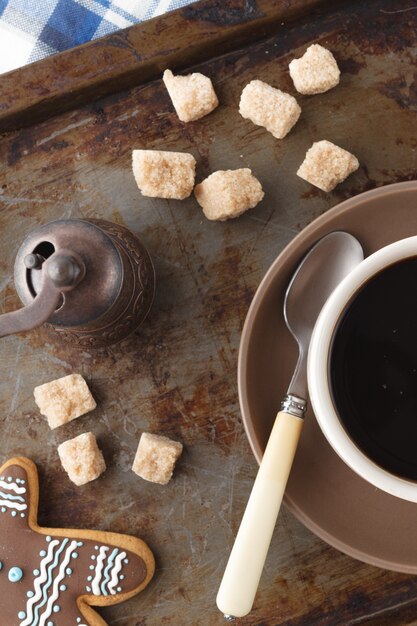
317 370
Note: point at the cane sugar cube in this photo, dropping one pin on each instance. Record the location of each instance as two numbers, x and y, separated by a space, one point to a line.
315 72
271 108
82 459
228 193
160 174
193 96
156 457
326 165
64 399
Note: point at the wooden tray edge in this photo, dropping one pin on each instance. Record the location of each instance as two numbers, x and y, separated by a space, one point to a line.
138 54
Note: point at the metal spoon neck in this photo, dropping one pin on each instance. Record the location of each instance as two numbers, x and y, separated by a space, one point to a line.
294 405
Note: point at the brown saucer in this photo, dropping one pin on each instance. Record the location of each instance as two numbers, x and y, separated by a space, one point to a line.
323 493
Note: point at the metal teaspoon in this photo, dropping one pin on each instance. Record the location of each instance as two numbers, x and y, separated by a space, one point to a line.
318 274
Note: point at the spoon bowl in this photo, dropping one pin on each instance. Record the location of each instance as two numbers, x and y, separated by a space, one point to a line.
331 259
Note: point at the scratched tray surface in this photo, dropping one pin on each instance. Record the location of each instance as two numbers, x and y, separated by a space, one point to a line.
177 374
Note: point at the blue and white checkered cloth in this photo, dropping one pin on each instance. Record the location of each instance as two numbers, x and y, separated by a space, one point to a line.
33 29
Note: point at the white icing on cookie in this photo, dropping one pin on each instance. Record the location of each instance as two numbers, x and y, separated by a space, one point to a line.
51 606
107 569
95 586
11 486
11 497
47 585
39 583
9 504
115 572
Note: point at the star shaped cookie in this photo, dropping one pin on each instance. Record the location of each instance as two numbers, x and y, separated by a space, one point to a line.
52 577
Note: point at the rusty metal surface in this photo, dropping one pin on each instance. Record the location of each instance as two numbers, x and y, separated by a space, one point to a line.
177 374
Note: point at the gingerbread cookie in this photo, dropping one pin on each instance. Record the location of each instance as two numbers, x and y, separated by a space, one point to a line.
52 577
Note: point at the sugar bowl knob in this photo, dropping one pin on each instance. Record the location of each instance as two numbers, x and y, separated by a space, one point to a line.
92 281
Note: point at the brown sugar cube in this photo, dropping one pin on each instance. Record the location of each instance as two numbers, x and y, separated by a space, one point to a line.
156 457
228 193
266 106
315 72
326 165
82 459
193 95
161 174
64 399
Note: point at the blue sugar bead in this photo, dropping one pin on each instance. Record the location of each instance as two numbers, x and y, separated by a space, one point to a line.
15 574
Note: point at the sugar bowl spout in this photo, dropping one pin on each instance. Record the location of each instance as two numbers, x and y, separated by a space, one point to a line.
91 281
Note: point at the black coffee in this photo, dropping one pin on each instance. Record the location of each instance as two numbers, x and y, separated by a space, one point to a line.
373 369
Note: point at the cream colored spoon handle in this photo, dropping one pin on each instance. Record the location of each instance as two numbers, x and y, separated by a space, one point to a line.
244 568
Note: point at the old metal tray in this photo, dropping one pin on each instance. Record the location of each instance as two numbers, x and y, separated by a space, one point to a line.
69 124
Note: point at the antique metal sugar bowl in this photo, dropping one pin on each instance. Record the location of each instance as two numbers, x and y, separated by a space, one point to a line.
92 281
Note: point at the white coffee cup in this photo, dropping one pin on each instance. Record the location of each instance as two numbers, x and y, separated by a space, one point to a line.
318 370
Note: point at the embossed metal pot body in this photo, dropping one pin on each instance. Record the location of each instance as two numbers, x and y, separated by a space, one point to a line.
116 293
